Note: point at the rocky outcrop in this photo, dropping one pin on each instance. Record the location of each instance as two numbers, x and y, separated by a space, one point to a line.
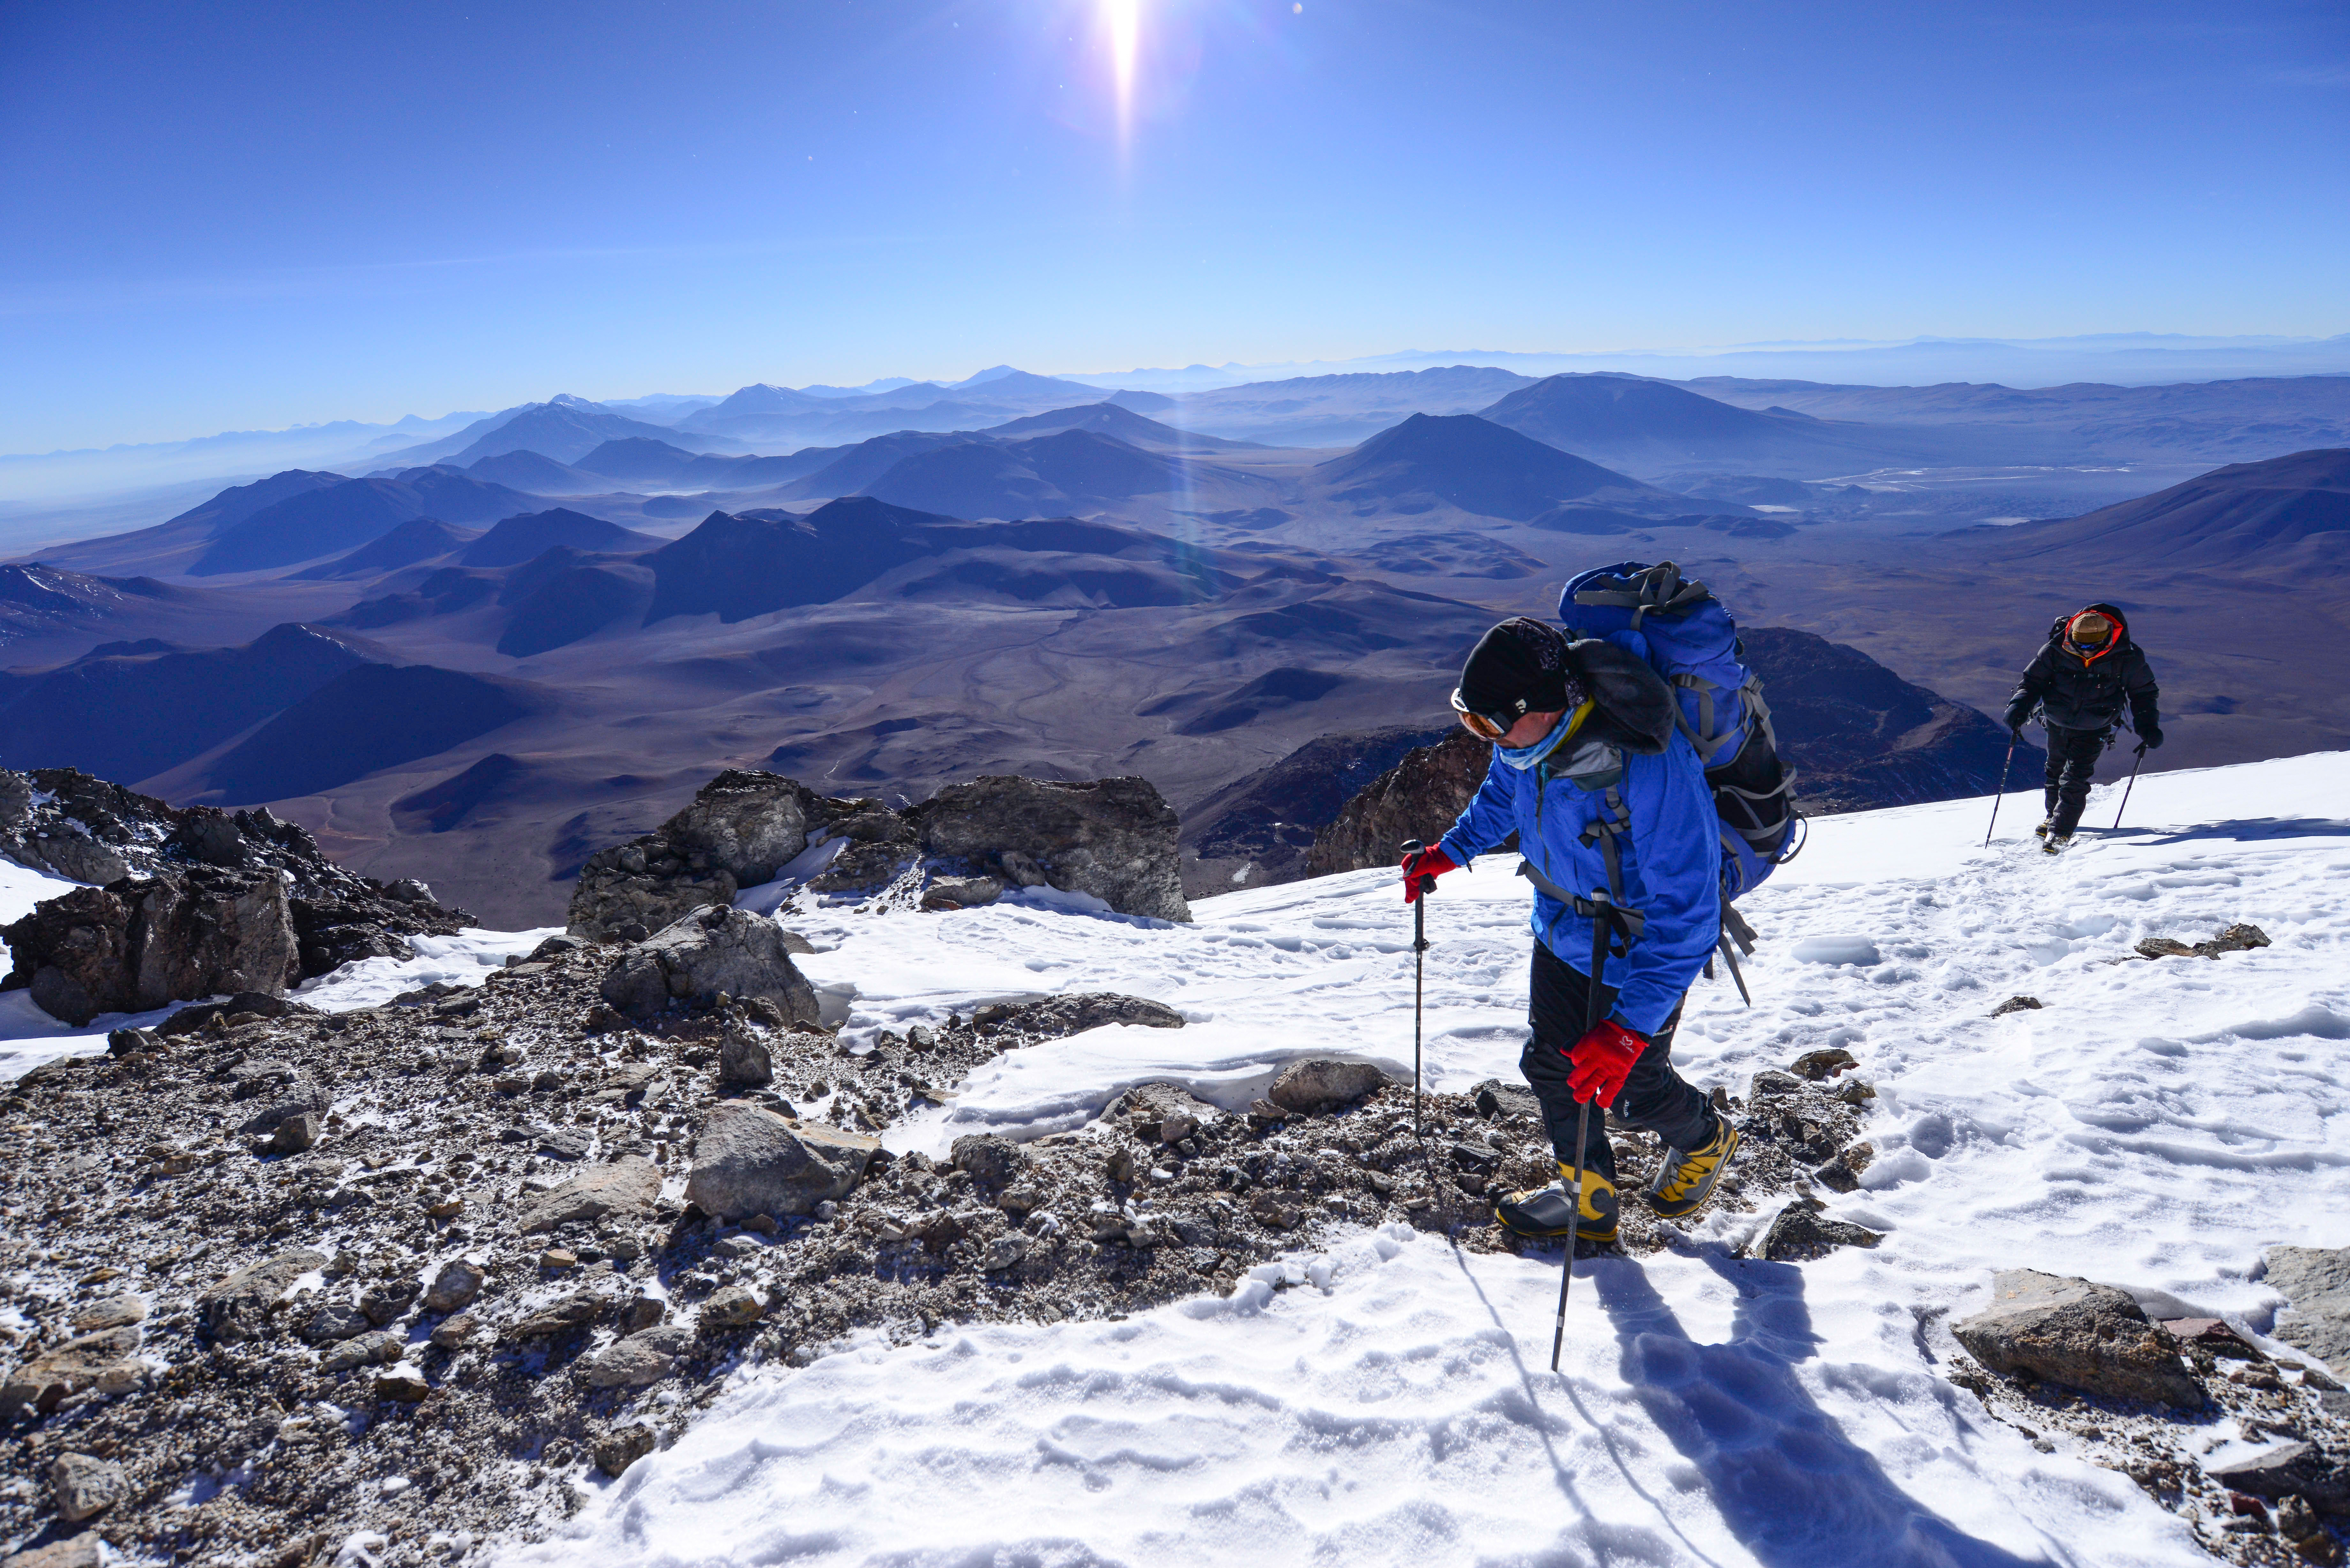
2080 1333
139 944
1416 798
2317 1280
1112 838
1263 824
742 828
714 951
2291 1469
624 1189
70 825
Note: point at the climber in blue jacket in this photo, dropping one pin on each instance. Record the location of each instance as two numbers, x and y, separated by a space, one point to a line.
1614 818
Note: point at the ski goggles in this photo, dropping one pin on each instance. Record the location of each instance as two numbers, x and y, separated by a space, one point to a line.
1487 726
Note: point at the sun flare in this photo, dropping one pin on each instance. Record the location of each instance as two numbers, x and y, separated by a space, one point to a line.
1124 20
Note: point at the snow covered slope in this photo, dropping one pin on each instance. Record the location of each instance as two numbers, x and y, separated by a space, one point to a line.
2154 1125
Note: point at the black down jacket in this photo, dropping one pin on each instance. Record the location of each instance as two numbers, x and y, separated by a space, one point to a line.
2076 693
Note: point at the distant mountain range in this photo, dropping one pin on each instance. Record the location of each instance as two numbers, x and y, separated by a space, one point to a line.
2292 510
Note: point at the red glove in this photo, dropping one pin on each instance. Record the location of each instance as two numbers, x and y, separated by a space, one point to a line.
1603 1059
1421 870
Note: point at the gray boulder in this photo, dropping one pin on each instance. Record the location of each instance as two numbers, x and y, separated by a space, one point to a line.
2317 1280
238 1307
640 1359
2079 1334
750 1162
740 829
626 1188
720 949
454 1287
1801 1234
1322 1084
85 1485
140 944
1113 838
743 1059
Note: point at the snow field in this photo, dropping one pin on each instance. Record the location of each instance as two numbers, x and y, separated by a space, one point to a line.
2155 1127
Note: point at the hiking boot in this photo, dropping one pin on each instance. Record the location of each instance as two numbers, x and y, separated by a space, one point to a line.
2047 825
1684 1182
2056 842
1550 1212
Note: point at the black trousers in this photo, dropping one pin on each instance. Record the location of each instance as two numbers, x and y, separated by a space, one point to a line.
1654 1099
2072 763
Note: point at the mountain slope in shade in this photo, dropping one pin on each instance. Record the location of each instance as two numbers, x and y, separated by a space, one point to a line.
343 516
1479 466
572 600
517 539
563 428
162 709
2230 516
743 565
848 470
1045 474
1653 427
371 717
1120 422
536 473
239 501
35 600
417 539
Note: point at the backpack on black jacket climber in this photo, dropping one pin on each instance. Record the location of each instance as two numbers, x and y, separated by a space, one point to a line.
1693 643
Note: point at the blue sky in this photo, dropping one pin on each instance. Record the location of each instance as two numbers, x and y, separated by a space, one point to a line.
251 216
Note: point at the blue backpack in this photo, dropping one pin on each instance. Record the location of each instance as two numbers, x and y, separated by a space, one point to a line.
1693 642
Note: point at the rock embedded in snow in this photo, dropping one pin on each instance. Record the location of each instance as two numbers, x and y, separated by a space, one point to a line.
739 830
238 1306
709 951
1319 1084
750 1161
734 1307
1801 1234
1113 838
2080 1333
139 945
2293 1468
2236 939
961 892
624 1448
1818 1066
2017 1004
85 1486
403 1384
624 1189
2317 1280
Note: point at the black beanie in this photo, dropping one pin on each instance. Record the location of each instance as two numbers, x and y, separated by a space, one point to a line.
1519 668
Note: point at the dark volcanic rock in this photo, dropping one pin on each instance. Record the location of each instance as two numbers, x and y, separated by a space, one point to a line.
1416 798
1113 838
1321 1084
68 824
742 828
140 944
2293 1469
709 951
2079 1334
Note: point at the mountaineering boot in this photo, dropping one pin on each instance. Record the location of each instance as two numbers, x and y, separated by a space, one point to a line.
2056 842
1549 1212
1684 1182
2047 823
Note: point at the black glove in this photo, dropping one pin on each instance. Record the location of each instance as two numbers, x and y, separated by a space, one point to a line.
2149 737
2017 714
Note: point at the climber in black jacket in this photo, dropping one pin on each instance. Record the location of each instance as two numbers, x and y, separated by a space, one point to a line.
2079 682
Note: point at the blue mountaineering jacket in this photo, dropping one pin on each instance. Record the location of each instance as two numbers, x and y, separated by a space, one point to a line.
1671 866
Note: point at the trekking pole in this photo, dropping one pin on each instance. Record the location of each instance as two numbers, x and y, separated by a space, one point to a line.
2130 786
1599 920
1418 961
2012 737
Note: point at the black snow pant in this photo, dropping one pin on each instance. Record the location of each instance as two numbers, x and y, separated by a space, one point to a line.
2072 763
1655 1098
